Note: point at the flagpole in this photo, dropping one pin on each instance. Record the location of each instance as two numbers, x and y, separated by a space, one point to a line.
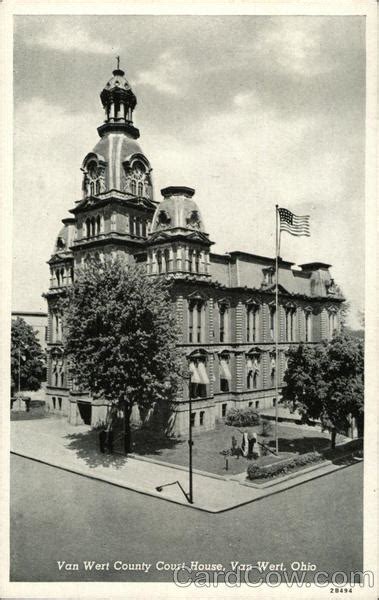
277 325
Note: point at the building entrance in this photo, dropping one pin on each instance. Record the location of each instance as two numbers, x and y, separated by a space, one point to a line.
85 410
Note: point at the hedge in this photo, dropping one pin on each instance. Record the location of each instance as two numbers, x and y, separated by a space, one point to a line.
281 468
242 417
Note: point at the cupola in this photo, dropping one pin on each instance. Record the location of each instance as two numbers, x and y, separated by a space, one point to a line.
119 103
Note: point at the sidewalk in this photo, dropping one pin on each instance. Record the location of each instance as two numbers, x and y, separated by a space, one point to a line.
49 441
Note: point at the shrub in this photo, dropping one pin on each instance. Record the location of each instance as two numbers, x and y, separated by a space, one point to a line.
282 467
266 429
242 417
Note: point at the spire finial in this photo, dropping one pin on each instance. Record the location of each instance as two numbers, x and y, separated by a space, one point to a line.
118 62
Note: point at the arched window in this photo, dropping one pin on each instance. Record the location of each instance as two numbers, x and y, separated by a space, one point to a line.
62 276
138 226
140 189
93 226
97 187
92 188
58 274
98 224
62 378
88 228
133 187
167 259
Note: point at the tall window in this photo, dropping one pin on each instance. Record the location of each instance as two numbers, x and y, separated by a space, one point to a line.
159 261
133 187
167 259
308 326
197 262
223 321
272 371
199 321
191 309
144 228
131 225
195 320
332 322
199 377
140 189
88 228
252 323
272 322
225 374
252 371
190 260
290 324
98 224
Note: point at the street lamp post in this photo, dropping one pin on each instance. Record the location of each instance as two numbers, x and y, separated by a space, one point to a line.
189 496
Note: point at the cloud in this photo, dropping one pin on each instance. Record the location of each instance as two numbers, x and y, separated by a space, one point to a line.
166 75
72 37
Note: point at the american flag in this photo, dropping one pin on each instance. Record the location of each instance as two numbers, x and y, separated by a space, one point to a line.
292 223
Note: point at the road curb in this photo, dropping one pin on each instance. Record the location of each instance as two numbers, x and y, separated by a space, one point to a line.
158 495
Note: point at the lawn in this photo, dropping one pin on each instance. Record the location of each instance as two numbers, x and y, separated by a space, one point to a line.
208 447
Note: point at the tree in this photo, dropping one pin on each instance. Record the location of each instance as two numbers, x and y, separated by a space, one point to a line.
120 337
28 366
325 382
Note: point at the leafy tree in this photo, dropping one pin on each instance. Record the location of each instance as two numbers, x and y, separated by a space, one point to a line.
325 382
28 367
120 337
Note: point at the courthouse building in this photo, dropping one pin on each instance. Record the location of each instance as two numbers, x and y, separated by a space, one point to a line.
225 303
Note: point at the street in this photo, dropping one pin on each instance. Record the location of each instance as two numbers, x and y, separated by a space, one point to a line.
60 516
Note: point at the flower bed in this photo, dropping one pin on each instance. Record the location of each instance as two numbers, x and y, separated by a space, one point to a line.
283 467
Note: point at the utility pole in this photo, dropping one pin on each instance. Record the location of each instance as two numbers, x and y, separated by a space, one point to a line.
190 444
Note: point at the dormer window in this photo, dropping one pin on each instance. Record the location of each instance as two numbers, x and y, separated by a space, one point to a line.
268 276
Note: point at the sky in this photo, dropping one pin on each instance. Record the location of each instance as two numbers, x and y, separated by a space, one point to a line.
250 111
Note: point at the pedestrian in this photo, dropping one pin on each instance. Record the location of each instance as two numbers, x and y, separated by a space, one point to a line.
252 441
245 445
